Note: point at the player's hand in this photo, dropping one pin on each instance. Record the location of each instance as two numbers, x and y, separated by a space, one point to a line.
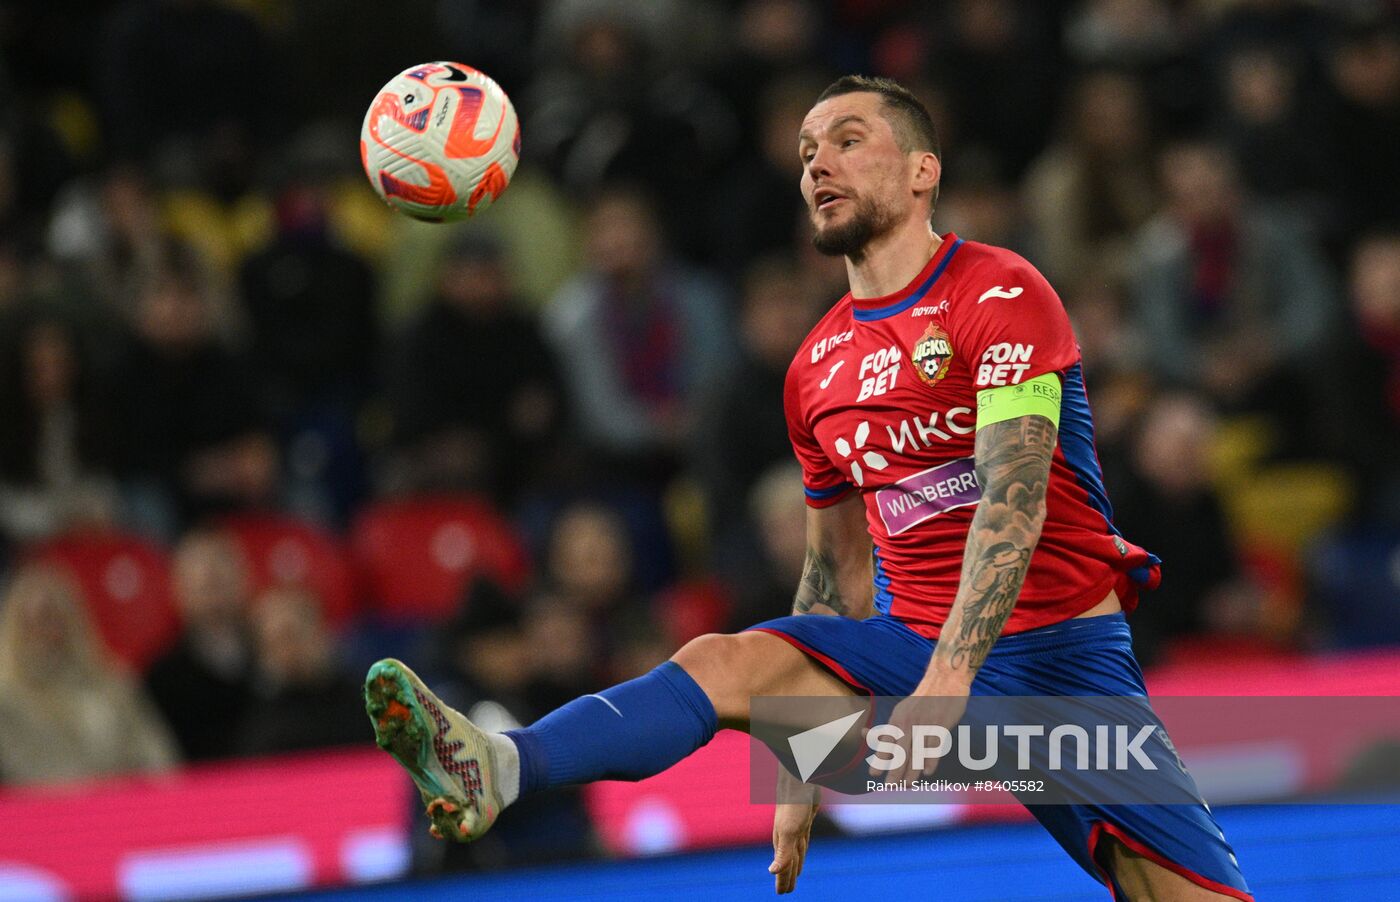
792 831
928 706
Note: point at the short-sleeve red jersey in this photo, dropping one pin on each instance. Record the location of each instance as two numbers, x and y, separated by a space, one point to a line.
881 399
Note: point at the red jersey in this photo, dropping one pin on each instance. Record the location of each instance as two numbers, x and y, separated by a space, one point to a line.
881 399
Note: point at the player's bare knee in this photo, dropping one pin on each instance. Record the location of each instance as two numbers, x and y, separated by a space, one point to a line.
731 668
703 657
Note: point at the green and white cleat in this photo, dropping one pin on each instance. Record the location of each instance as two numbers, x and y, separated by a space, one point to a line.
449 758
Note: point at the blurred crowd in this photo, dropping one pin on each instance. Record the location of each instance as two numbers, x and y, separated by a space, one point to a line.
206 313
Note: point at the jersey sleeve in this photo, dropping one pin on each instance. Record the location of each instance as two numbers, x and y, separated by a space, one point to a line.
822 483
1011 327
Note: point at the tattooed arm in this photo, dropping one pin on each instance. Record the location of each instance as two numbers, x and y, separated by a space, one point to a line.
1013 468
837 575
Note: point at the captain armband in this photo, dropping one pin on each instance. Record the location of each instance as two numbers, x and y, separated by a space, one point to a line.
1040 395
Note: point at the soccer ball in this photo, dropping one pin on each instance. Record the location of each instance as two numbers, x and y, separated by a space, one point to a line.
440 142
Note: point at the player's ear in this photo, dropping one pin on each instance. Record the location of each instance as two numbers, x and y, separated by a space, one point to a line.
928 170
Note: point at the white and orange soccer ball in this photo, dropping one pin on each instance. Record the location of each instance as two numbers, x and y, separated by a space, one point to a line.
440 142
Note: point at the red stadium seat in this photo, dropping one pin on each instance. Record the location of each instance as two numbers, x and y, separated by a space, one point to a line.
285 551
126 584
417 555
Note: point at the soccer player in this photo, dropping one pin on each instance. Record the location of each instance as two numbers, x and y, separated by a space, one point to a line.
938 409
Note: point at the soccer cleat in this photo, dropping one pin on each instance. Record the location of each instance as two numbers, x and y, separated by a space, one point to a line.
448 757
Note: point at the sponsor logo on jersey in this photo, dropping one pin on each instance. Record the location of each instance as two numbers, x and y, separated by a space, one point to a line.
996 291
1004 364
932 354
823 347
831 374
879 370
940 307
927 494
916 432
907 437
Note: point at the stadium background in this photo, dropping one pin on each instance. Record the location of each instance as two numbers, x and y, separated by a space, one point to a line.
258 431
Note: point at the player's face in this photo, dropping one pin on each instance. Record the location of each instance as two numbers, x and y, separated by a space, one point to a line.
854 174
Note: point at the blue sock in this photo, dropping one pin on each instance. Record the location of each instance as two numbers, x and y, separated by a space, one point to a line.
632 731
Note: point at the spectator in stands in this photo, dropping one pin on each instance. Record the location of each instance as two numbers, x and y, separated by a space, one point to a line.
301 699
1169 505
1098 306
778 508
195 437
202 685
57 450
1234 296
1114 361
473 387
1091 189
1271 121
587 603
567 656
1355 406
638 336
106 230
310 299
69 711
310 302
590 561
743 431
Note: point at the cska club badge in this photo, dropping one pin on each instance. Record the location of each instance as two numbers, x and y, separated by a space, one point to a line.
932 354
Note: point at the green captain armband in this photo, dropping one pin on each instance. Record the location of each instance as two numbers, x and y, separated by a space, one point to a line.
1040 396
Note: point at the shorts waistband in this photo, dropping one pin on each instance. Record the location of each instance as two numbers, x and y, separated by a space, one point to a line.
1065 634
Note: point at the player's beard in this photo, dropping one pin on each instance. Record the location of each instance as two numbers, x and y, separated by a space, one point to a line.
867 222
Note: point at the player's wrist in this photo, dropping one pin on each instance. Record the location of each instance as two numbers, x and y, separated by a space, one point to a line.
943 679
946 675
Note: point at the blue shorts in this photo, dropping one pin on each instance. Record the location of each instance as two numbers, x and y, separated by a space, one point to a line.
1092 656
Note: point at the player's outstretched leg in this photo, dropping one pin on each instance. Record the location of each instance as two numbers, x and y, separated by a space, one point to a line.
628 732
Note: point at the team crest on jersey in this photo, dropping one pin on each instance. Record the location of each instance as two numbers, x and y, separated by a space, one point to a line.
932 354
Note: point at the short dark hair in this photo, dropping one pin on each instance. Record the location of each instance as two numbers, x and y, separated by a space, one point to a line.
908 117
